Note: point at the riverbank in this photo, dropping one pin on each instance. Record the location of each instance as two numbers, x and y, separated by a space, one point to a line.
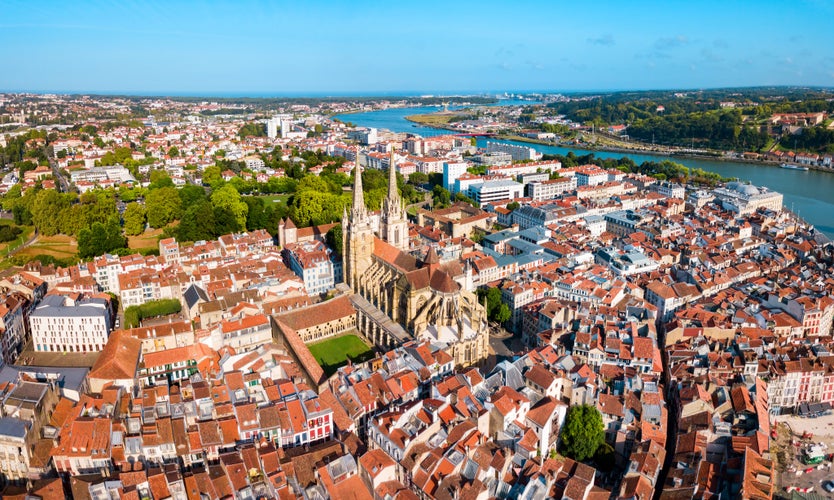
809 194
717 156
440 124
437 120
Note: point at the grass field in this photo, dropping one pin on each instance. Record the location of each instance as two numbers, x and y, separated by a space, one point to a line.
275 198
59 246
333 353
148 239
435 119
8 246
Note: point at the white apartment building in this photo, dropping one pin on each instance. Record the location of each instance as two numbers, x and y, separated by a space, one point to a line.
99 174
315 263
452 170
547 190
590 175
525 168
500 190
669 189
517 153
60 324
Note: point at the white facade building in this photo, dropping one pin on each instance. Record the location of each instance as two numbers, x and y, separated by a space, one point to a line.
517 153
452 170
746 198
499 190
547 190
60 324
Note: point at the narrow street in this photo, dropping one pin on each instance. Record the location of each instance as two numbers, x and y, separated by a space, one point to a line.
672 422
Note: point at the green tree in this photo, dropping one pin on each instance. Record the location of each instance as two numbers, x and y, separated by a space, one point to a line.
48 204
442 197
225 221
100 238
173 151
334 238
491 298
212 176
513 205
159 179
228 198
134 217
418 178
583 432
502 314
163 206
197 223
11 197
191 194
252 129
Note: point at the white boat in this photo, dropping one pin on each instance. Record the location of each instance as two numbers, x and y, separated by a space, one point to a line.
793 167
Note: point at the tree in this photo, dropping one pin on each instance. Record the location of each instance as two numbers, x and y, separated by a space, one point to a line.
462 197
47 206
513 205
163 206
173 151
160 179
197 223
418 178
252 129
100 238
134 217
334 238
228 198
191 194
12 195
583 432
442 197
212 176
503 313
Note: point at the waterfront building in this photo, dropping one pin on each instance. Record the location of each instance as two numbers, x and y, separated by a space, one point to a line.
516 152
746 199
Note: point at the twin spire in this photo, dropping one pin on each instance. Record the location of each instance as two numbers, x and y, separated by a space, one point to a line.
358 211
393 192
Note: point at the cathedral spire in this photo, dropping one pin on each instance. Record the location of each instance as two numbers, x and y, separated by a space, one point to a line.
393 193
358 210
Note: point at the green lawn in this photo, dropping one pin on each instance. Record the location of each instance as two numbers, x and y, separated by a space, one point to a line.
275 198
333 353
9 246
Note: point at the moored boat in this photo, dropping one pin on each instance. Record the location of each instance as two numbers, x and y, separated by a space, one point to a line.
793 167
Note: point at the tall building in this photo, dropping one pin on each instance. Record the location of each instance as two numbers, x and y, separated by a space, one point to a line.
452 170
423 295
272 127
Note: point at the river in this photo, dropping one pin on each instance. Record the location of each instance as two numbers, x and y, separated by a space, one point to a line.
809 194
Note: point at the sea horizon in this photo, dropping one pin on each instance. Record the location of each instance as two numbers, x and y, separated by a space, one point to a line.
378 93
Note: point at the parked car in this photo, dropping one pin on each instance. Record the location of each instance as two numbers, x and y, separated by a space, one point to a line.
828 486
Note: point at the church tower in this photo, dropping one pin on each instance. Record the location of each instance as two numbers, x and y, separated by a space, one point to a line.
357 235
393 226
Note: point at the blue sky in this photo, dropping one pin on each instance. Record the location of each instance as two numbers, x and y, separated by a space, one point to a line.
343 47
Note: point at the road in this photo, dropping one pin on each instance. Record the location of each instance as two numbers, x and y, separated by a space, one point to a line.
62 182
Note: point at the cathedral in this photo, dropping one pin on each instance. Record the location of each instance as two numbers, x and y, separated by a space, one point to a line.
423 295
